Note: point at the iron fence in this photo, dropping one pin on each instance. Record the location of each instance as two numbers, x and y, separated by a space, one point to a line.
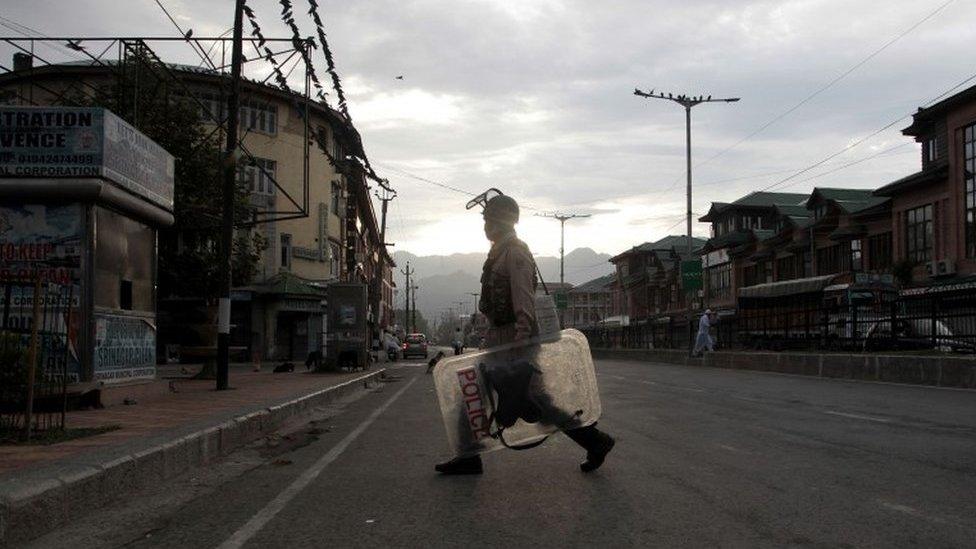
944 323
35 334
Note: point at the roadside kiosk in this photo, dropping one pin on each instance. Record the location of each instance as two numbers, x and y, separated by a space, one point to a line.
82 194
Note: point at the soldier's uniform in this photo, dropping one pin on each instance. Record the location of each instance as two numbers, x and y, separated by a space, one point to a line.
508 285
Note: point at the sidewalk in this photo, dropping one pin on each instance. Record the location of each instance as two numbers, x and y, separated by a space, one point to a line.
160 436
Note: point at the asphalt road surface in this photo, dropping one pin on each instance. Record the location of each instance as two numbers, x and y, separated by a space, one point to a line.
705 458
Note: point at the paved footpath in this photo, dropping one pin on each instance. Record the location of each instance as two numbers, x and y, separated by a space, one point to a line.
705 458
195 403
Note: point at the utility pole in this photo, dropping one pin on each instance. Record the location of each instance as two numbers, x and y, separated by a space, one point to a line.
686 102
230 181
414 319
563 218
406 302
385 194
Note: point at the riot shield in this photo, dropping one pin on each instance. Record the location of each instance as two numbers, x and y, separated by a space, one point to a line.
517 394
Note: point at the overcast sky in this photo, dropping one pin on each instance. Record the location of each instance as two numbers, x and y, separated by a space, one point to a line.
535 97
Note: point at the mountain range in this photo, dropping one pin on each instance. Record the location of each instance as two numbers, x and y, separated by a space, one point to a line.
445 280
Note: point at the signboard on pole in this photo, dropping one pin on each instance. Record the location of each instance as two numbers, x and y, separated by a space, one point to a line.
562 300
49 142
691 275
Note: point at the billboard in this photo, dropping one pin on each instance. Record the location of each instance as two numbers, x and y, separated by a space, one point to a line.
38 240
84 142
125 348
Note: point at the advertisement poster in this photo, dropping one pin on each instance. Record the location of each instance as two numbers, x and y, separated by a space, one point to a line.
43 241
125 348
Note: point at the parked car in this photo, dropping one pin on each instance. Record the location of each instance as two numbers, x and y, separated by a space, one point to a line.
415 345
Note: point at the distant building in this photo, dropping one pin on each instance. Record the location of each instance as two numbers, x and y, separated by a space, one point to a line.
327 231
591 302
934 210
648 277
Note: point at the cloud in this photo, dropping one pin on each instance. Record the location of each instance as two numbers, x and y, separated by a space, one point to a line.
535 97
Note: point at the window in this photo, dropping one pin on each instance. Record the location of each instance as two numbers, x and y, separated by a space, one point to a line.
806 259
125 295
820 211
829 260
258 176
286 251
259 116
786 268
969 177
256 116
931 150
336 193
334 260
918 234
720 281
879 252
856 255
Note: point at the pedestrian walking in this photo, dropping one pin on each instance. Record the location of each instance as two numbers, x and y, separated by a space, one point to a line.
704 339
508 285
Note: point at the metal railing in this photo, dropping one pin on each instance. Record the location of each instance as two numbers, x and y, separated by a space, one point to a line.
906 323
35 326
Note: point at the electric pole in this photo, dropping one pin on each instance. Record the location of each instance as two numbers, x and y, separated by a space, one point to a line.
686 102
385 194
414 319
406 301
230 181
563 218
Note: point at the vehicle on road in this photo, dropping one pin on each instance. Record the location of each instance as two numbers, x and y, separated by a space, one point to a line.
415 345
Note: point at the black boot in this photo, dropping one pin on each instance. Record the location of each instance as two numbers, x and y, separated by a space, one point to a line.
596 443
460 466
595 457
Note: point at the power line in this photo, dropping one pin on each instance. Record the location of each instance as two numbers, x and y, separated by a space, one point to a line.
865 138
198 49
823 88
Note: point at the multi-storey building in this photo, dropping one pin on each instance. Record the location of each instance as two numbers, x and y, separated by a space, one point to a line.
649 276
934 210
591 302
737 229
316 215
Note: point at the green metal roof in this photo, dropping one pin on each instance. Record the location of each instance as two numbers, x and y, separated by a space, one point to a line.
595 285
849 200
289 284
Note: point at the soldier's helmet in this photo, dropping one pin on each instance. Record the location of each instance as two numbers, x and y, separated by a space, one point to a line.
502 208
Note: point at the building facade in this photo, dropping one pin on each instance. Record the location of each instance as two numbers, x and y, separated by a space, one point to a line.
315 213
591 302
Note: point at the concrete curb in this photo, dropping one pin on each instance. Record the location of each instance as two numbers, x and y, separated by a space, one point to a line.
937 371
33 505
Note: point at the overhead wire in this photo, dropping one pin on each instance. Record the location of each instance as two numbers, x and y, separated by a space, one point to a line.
829 84
865 138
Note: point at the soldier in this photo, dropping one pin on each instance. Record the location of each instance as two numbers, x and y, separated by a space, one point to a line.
508 285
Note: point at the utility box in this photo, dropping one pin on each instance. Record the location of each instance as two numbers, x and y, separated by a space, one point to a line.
82 196
346 332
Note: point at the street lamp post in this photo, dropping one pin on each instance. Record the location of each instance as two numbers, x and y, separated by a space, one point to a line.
686 102
563 218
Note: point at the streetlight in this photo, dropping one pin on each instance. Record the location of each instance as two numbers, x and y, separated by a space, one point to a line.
686 102
563 218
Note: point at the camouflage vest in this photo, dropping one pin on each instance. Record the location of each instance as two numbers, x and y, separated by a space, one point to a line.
496 284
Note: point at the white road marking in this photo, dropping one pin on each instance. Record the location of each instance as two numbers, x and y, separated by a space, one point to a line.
257 522
913 512
859 416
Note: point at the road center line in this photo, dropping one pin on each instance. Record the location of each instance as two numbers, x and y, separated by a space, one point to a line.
859 416
257 522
